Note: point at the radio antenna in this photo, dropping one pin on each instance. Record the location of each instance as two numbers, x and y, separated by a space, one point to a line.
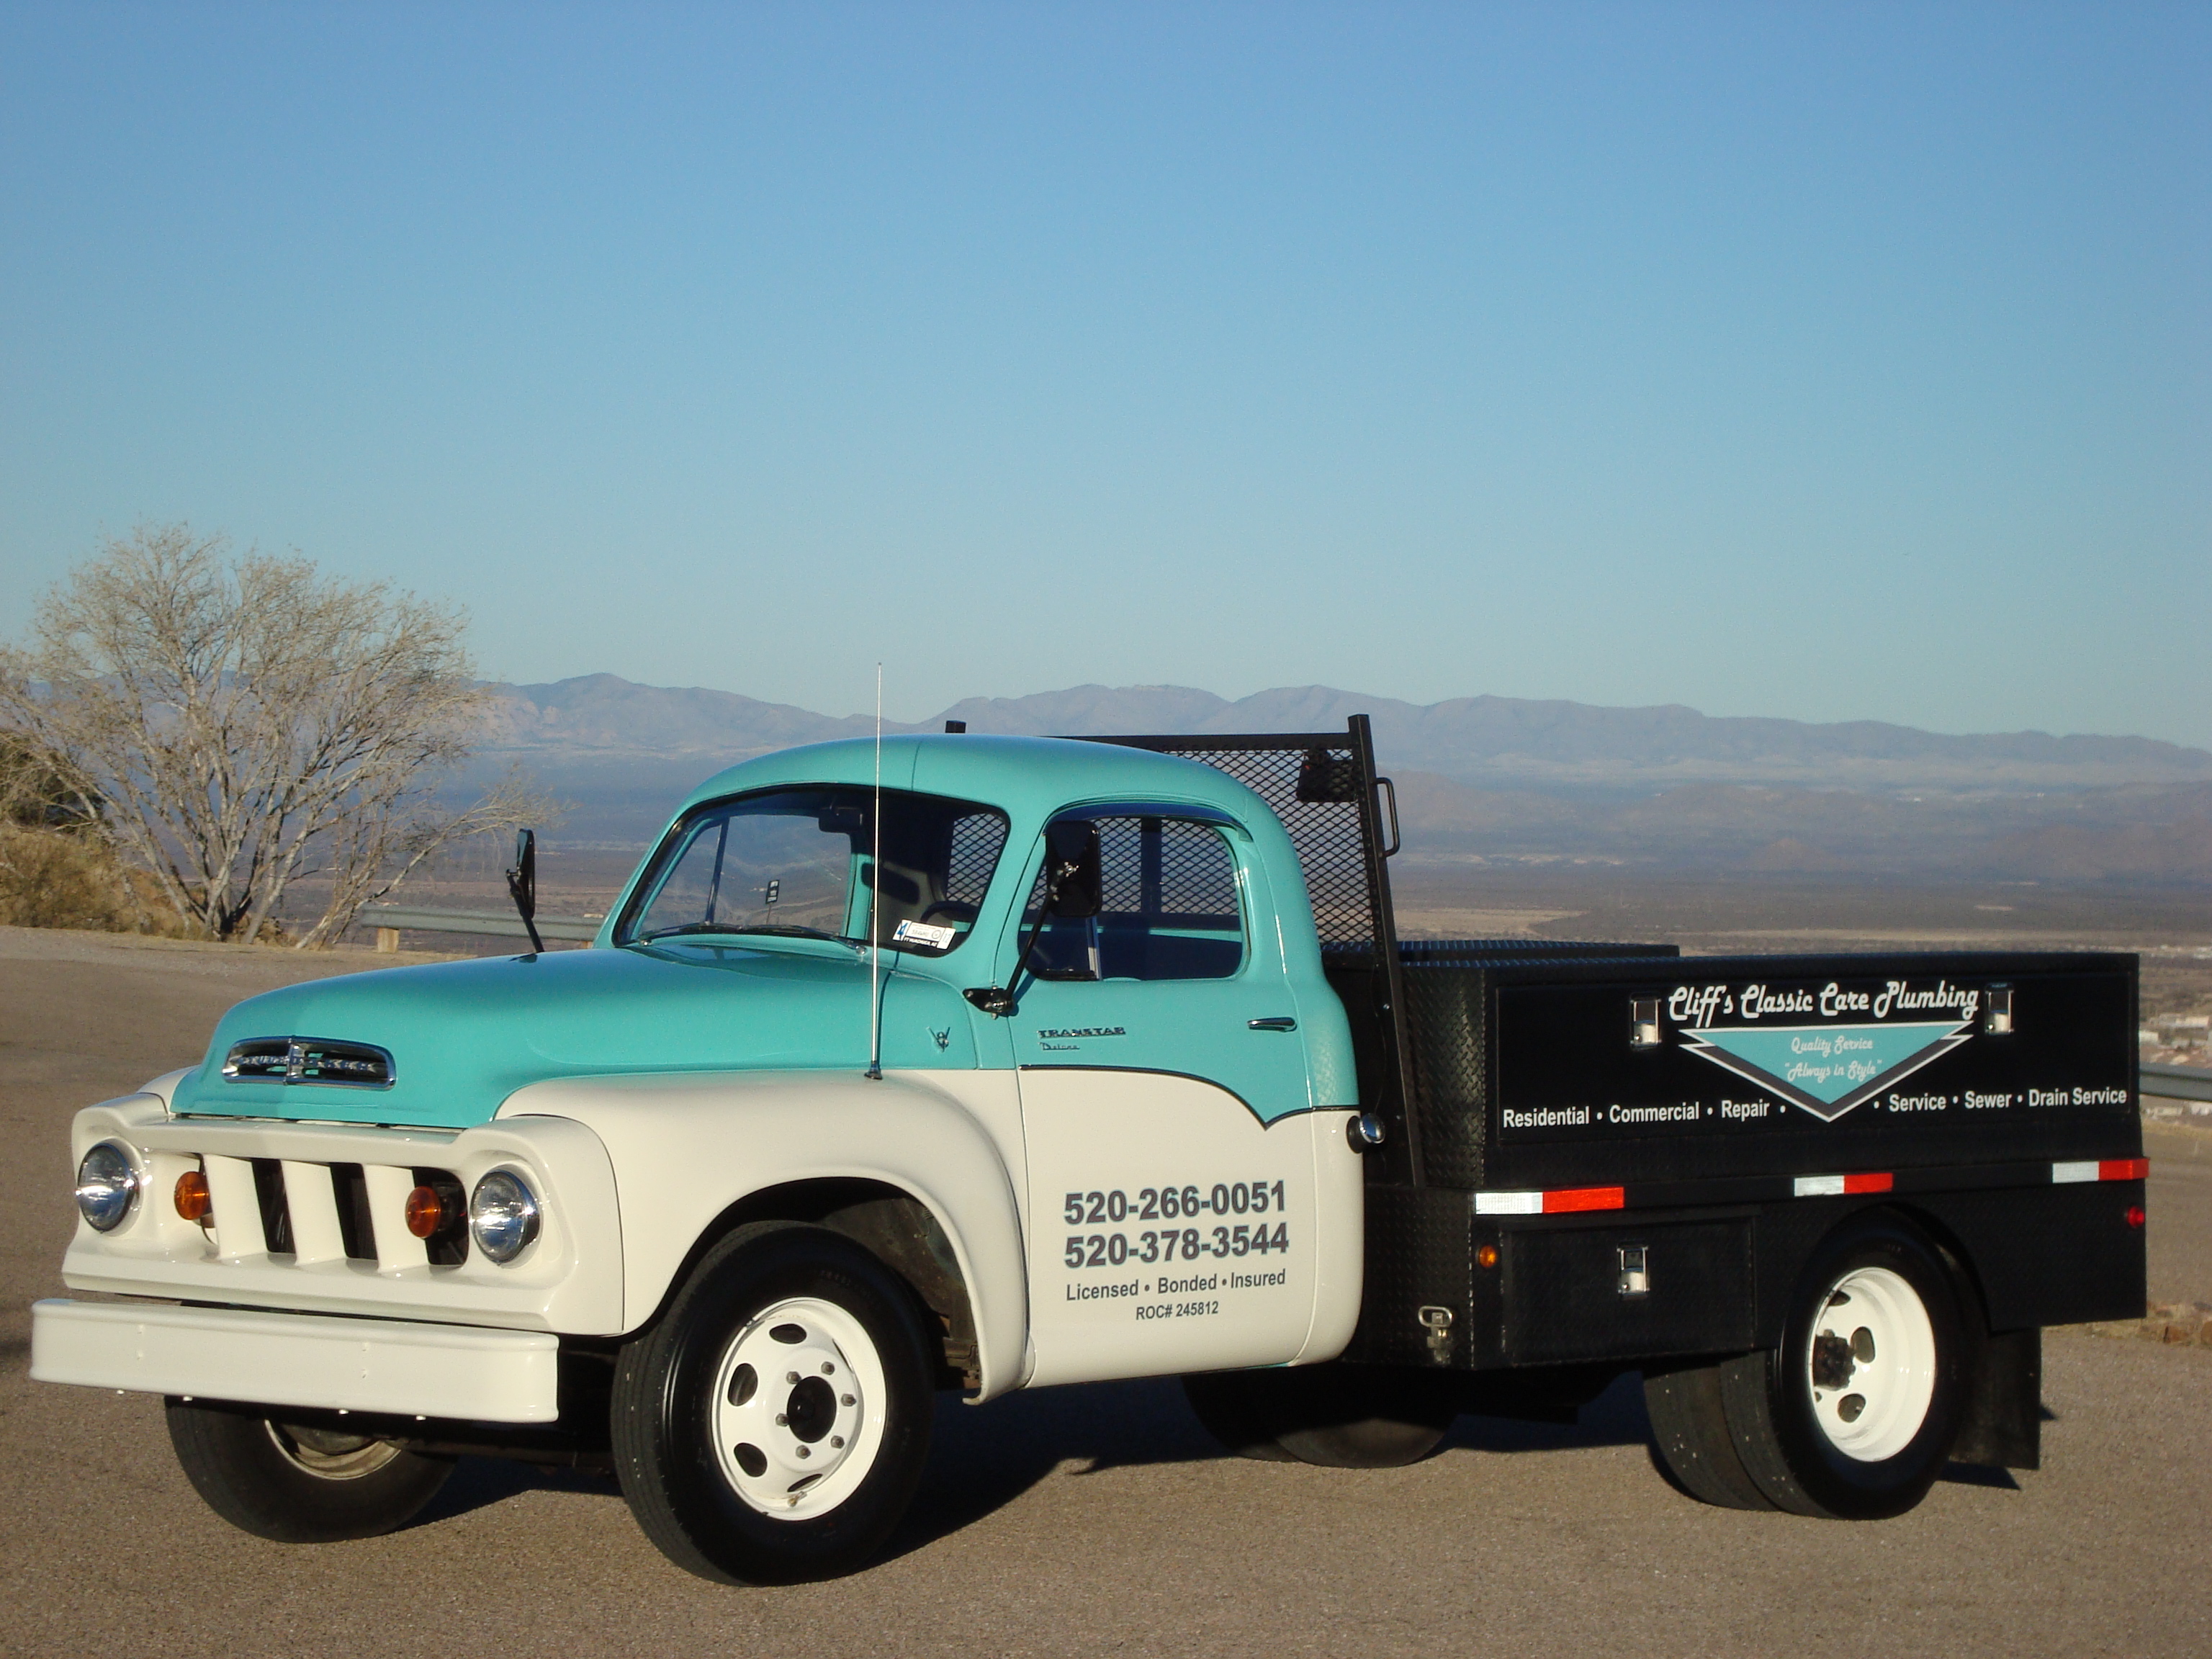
875 898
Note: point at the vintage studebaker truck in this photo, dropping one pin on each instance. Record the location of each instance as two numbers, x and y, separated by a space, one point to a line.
978 1063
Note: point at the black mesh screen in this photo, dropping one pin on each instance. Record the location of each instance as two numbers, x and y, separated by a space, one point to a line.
977 840
1164 871
1331 847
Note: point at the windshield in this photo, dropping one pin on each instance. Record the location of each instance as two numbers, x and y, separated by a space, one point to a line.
797 862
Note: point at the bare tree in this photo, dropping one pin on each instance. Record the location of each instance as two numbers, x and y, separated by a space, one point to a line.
236 725
35 792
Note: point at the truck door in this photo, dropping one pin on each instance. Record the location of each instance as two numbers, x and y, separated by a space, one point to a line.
1164 1100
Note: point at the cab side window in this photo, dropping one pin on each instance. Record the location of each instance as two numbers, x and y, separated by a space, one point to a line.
1170 908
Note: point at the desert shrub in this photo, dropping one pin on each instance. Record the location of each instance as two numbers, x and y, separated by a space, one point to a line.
67 878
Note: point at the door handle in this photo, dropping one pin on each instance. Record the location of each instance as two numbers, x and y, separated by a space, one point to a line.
1273 1023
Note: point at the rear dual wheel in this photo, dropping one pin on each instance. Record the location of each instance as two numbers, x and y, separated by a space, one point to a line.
1854 1415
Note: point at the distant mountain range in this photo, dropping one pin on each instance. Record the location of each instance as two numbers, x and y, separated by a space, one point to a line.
1498 778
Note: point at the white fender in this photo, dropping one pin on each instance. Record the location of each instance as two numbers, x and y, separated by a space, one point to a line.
686 1145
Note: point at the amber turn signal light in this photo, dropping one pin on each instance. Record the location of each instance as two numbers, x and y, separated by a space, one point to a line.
426 1212
1486 1255
192 1201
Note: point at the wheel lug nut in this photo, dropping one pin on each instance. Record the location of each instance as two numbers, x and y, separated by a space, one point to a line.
829 1370
837 1441
780 1419
791 1377
847 1399
804 1452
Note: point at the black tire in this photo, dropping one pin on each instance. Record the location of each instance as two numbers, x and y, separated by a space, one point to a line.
1787 1408
298 1483
1336 1416
1238 1409
1689 1437
857 1409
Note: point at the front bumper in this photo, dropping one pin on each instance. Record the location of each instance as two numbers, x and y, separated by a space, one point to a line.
399 1367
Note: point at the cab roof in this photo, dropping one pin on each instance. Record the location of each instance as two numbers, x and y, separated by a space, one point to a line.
1028 778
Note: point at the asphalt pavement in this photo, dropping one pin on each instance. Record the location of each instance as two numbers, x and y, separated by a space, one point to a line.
1095 1520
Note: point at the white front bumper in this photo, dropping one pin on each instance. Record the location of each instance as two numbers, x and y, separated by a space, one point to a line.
389 1365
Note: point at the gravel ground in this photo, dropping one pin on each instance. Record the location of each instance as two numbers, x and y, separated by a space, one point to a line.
1077 1521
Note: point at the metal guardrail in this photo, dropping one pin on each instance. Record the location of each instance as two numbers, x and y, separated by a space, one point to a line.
2177 1082
391 920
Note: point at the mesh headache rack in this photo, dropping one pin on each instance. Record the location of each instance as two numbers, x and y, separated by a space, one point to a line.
1324 788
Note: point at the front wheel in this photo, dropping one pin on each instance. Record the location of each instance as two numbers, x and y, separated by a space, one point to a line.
297 1483
1853 1416
773 1425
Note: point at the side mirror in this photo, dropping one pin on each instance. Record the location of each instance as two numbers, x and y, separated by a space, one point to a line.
1075 888
1074 878
522 885
522 879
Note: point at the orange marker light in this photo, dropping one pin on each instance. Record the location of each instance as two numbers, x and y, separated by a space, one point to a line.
426 1210
1486 1255
192 1201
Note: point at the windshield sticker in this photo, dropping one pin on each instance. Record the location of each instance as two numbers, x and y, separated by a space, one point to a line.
925 933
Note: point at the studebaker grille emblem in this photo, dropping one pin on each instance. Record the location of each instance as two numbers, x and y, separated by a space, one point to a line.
310 1059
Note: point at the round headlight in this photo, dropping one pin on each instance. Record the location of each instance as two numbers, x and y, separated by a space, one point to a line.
106 1186
502 1215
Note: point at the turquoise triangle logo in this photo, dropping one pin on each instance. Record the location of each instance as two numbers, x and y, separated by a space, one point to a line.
1826 1069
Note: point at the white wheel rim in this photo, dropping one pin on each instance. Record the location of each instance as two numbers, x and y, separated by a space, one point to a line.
800 1399
1870 1365
346 1457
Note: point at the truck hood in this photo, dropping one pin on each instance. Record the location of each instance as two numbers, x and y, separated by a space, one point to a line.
463 1036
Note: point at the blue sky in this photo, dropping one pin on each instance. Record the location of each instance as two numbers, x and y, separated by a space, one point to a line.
1842 363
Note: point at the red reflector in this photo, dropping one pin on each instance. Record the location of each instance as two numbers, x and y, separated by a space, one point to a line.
2133 1217
1880 1182
1585 1198
2124 1169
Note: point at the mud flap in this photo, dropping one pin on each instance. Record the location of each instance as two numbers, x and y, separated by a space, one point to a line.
2004 1425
